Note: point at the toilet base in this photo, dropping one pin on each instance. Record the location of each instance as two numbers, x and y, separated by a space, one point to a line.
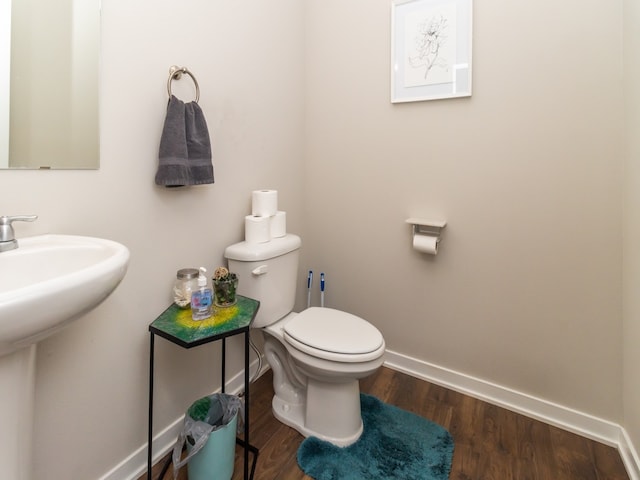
331 412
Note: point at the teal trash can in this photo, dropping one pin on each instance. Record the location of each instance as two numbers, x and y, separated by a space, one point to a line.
210 428
215 460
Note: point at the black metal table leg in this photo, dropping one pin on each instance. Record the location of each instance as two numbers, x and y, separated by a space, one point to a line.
150 433
224 362
246 405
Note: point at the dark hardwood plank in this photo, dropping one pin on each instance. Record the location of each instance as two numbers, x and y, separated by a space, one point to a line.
608 462
534 450
571 452
491 443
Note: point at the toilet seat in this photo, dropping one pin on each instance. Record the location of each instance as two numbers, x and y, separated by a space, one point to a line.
334 335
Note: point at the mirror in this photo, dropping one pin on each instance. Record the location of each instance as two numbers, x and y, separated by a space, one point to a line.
49 73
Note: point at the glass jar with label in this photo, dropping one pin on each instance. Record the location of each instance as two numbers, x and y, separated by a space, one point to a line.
186 283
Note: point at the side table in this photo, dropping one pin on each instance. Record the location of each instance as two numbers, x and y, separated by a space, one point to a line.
177 326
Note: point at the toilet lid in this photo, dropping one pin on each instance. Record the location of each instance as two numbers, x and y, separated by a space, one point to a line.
334 331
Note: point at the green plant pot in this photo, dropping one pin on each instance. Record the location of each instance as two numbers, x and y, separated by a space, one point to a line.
225 292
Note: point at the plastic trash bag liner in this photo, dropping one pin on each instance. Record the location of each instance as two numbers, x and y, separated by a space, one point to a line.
203 417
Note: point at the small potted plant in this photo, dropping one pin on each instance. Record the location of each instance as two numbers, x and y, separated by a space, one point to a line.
225 285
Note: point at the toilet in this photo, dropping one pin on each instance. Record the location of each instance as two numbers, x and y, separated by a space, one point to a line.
318 355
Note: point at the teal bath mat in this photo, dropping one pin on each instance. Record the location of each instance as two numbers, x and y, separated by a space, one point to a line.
395 444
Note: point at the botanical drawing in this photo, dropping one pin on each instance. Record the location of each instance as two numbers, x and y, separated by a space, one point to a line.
430 42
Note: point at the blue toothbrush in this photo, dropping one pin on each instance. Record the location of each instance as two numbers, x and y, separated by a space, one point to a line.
309 283
322 289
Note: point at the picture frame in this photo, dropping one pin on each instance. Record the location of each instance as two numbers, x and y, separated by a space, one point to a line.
431 43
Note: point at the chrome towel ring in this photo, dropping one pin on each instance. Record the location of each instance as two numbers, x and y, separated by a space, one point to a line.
176 72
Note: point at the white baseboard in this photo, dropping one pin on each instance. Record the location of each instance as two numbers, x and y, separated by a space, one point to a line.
629 456
560 416
135 465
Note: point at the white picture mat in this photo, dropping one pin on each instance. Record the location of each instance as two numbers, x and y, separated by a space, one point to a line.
449 23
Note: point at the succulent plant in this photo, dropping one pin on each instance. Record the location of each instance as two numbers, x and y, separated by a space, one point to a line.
221 273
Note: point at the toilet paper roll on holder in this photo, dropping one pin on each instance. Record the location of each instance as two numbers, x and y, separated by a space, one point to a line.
432 228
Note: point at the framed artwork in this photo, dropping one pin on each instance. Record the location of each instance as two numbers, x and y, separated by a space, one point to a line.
430 49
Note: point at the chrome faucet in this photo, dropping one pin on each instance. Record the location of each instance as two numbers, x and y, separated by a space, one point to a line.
7 235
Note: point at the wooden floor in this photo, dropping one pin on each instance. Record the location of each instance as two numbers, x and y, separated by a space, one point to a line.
491 443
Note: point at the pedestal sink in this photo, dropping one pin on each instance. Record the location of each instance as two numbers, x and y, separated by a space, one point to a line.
45 284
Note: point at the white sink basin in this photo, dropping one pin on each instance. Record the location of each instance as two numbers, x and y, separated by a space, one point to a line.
51 280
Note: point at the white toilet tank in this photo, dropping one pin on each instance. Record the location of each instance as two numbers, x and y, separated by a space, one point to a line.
268 273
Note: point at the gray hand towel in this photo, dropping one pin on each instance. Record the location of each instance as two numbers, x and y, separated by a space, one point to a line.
185 148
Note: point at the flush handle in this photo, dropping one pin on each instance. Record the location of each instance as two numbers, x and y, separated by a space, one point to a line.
261 270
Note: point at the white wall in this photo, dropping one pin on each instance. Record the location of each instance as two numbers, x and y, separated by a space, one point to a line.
632 225
526 289
92 378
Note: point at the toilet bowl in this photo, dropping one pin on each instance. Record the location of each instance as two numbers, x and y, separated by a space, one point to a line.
325 400
317 356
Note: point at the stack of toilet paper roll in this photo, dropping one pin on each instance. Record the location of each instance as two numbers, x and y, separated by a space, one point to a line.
266 221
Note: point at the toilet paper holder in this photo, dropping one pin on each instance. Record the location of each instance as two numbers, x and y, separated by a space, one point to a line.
433 228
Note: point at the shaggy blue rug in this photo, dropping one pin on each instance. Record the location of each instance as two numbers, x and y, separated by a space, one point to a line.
395 445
